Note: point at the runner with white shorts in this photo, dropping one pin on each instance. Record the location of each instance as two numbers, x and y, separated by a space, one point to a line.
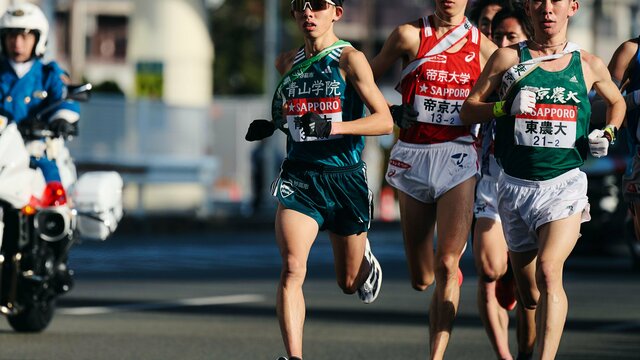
434 163
497 293
542 124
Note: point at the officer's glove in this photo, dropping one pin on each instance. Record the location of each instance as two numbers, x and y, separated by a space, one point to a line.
63 128
260 129
404 115
598 143
313 125
30 127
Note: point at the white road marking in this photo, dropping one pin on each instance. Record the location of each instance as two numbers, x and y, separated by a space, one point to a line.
212 300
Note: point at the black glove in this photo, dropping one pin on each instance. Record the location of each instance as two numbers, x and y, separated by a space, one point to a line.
260 129
404 115
28 128
62 127
313 125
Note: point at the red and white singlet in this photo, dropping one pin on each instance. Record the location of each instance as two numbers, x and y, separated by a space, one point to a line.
439 85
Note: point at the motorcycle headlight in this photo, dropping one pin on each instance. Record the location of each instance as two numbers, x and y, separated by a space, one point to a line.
52 225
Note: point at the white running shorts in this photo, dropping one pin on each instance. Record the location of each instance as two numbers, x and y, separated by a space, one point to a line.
525 205
427 171
486 205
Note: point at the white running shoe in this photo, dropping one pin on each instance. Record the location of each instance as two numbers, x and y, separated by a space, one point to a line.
369 290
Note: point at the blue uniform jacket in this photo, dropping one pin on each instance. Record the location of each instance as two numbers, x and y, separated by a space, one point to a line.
23 97
42 85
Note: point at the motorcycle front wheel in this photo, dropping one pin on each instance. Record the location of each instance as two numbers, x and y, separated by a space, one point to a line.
34 317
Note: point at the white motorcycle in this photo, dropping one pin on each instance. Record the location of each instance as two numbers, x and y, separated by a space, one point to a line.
40 222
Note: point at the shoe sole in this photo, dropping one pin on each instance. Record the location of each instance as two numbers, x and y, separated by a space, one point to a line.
378 270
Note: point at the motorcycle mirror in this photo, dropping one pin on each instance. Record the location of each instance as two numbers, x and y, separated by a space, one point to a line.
79 92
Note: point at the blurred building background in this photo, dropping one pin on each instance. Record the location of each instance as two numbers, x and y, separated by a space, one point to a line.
171 116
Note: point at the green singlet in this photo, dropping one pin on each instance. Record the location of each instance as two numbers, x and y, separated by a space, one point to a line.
554 139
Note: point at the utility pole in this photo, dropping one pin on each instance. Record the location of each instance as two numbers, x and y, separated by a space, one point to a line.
635 26
77 34
597 17
270 45
269 145
49 10
369 41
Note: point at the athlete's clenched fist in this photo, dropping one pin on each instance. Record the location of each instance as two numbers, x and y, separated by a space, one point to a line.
524 103
313 125
260 129
598 143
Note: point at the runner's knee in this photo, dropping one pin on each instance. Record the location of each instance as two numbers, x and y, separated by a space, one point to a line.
491 272
422 283
548 275
293 271
446 267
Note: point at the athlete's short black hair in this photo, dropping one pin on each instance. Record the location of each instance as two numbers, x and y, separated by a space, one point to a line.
514 10
478 5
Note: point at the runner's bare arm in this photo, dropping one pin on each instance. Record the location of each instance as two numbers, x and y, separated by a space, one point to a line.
359 74
622 65
598 77
487 48
622 58
475 109
403 43
618 67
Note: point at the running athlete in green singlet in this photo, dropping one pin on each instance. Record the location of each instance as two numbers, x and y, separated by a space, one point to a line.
497 293
322 185
542 207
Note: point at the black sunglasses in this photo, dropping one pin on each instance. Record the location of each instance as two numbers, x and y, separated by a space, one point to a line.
314 5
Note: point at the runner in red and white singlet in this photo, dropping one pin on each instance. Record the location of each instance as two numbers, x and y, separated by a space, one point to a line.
434 164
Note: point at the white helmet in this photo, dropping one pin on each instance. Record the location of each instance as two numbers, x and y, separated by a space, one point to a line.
29 17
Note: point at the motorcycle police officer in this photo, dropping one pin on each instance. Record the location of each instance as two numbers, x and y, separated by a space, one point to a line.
28 84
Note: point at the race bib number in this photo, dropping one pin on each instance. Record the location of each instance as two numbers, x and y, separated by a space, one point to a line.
329 109
440 111
552 126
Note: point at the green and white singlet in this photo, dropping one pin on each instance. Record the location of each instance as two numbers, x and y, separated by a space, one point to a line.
323 90
553 140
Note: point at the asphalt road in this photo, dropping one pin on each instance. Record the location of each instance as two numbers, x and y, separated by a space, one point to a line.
209 294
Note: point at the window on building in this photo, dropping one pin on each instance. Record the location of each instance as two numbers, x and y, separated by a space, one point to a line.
106 39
